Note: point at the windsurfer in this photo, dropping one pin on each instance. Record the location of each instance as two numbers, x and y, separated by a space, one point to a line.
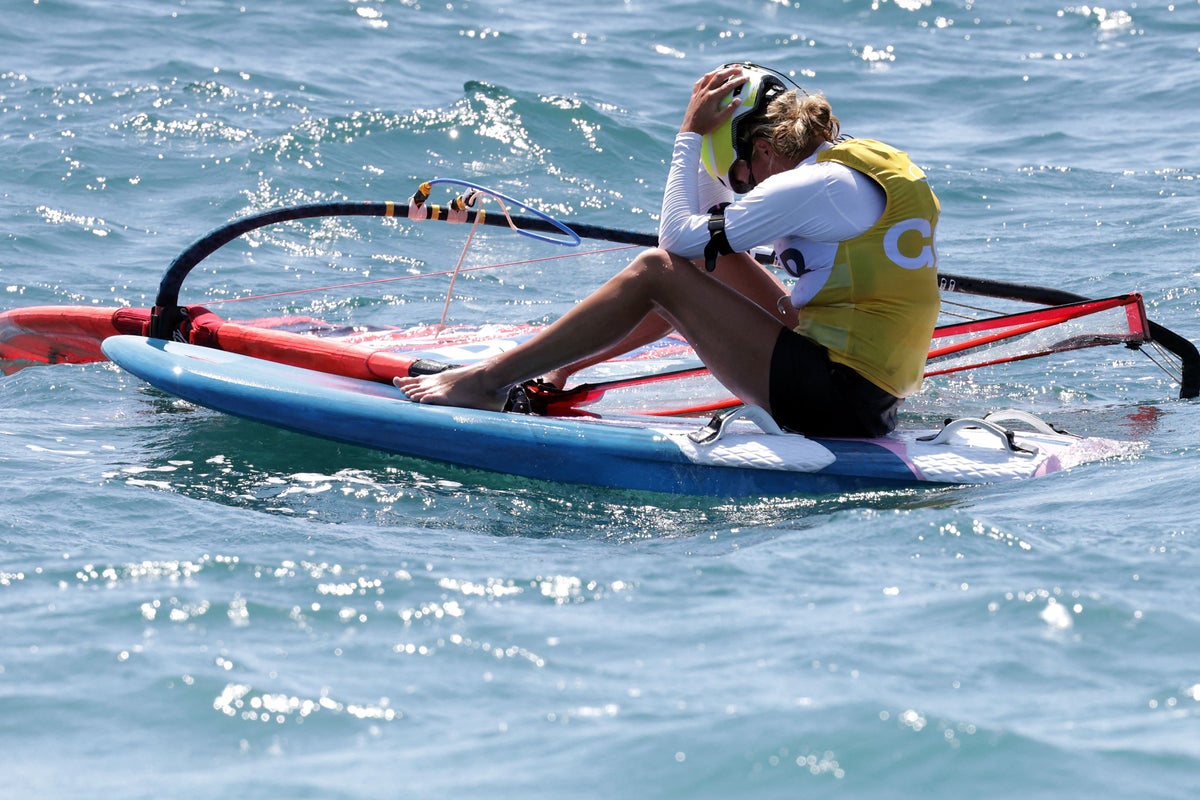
851 220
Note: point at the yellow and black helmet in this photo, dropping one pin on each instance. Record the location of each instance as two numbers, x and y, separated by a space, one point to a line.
731 142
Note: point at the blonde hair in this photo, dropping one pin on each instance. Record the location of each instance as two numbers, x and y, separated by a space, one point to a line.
796 123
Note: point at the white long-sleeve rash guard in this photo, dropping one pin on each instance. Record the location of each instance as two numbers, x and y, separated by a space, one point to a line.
807 209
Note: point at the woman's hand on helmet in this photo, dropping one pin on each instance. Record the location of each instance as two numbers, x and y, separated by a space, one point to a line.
712 103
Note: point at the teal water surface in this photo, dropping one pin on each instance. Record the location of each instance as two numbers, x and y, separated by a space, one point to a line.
196 606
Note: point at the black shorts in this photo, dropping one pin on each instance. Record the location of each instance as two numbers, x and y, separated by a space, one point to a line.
815 396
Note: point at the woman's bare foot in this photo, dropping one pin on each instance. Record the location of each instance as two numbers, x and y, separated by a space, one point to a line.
463 387
558 377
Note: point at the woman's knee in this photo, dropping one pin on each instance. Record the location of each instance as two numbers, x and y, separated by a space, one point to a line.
657 263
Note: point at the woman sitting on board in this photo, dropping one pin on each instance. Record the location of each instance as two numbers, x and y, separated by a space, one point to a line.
852 220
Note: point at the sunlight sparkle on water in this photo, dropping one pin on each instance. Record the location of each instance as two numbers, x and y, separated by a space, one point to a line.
239 700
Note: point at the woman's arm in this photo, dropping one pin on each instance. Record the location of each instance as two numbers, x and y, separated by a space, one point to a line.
683 226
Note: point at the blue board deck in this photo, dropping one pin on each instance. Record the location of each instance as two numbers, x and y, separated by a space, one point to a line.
628 451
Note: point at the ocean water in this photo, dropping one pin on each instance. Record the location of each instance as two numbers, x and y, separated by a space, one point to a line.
196 606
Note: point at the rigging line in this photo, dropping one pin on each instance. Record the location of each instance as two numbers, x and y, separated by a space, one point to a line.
1173 367
441 273
458 267
956 315
969 307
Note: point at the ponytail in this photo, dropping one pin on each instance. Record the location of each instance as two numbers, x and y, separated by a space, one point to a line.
796 124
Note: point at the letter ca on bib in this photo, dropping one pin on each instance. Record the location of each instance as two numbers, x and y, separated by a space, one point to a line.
920 233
